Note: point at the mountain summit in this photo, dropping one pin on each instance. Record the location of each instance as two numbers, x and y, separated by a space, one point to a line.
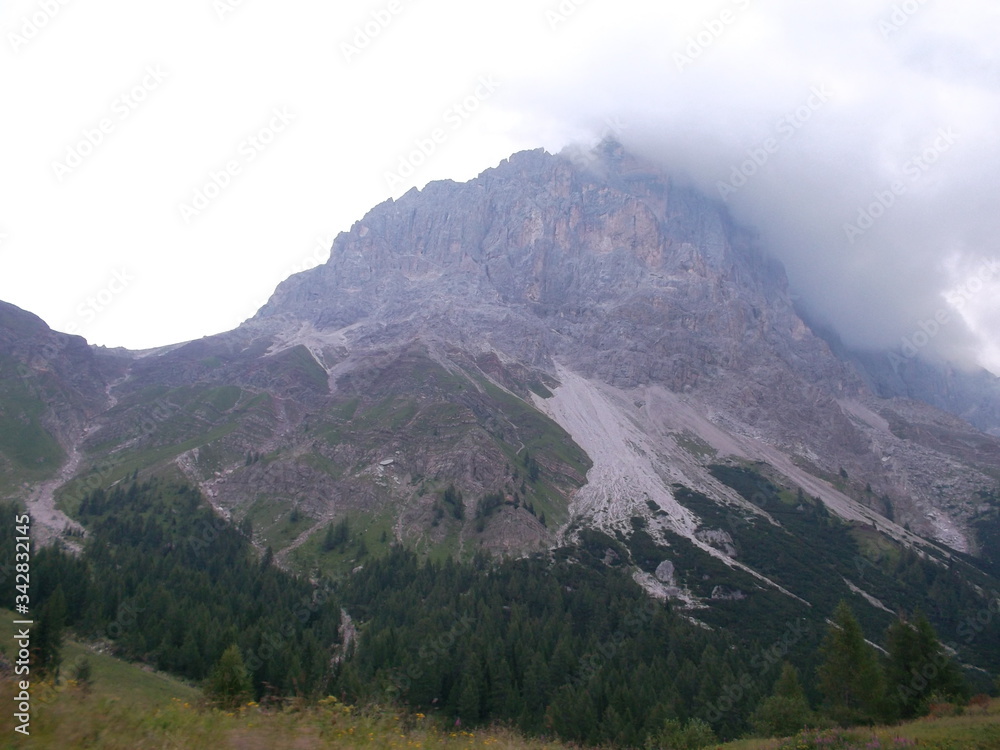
559 346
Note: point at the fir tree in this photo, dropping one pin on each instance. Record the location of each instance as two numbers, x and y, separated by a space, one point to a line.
47 637
229 685
786 710
850 677
918 668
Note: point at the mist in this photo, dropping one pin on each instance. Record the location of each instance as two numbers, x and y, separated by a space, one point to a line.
858 138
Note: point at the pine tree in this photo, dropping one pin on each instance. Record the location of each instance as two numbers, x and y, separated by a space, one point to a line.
850 677
47 636
470 692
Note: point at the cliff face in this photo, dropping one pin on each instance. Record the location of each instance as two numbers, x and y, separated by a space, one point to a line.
564 345
542 260
620 275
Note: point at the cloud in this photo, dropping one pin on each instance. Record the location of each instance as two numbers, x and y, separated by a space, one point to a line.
858 137
701 87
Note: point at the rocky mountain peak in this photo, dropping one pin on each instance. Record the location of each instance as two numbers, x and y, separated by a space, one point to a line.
567 340
566 247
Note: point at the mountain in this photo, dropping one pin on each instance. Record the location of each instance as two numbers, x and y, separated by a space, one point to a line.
560 351
973 396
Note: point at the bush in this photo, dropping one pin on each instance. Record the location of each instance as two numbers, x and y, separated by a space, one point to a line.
980 703
673 736
938 709
780 716
82 674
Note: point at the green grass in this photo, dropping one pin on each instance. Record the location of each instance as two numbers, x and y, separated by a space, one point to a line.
874 546
303 363
695 445
975 729
113 679
542 435
449 547
79 720
323 464
130 683
183 419
272 522
69 495
391 413
23 439
374 530
346 409
223 398
210 363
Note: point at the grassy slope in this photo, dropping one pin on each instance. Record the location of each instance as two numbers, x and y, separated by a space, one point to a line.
104 721
31 452
131 714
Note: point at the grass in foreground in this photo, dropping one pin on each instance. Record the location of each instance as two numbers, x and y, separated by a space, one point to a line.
976 729
76 719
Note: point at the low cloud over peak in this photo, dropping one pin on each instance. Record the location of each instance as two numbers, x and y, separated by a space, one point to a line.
858 138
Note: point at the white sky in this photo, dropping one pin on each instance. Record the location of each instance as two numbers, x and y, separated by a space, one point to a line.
110 231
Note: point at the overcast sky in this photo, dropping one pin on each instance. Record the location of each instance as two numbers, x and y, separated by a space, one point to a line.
165 166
